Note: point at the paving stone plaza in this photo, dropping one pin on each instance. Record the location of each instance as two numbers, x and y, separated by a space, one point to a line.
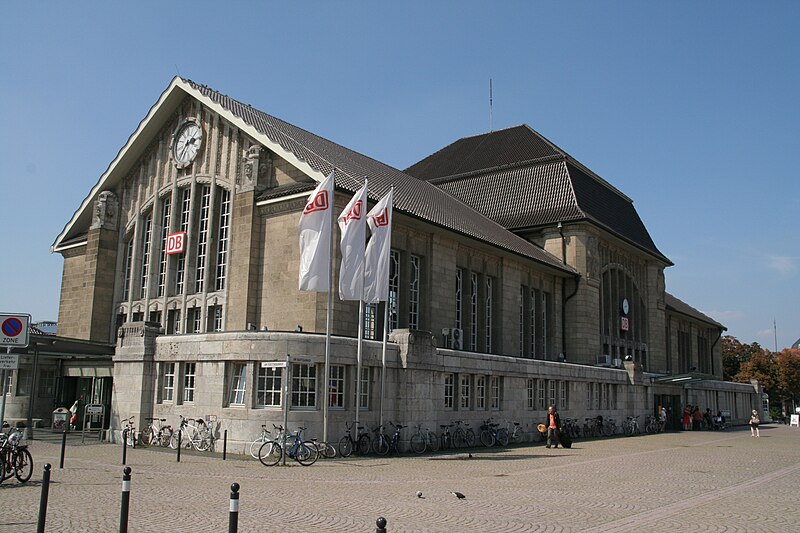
690 481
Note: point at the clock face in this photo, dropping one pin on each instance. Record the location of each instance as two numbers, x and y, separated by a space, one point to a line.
186 145
625 306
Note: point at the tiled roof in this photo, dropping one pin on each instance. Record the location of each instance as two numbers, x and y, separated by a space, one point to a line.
521 180
678 306
411 196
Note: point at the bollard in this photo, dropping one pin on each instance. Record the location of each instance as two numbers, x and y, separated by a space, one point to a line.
126 499
225 445
381 523
63 447
43 500
179 445
233 517
124 446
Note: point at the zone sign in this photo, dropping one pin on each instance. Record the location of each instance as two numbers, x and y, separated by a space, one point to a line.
176 243
14 330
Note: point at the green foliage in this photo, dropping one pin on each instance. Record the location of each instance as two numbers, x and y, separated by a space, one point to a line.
788 373
734 354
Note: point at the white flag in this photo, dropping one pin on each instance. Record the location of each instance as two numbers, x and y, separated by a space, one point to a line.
376 267
353 241
315 238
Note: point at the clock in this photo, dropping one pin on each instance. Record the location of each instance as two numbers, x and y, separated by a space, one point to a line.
186 143
625 306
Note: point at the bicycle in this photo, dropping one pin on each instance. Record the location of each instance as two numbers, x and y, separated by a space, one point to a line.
380 444
610 427
325 449
446 436
200 437
156 434
129 432
304 452
394 442
517 434
15 459
632 425
348 444
424 439
263 437
652 425
571 428
463 436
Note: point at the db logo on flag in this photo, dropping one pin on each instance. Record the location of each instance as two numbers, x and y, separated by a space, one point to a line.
176 243
355 212
381 219
318 203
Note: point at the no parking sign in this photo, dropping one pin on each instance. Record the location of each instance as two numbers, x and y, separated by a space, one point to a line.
14 330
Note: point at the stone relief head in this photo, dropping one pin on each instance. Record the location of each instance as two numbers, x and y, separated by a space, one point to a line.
106 211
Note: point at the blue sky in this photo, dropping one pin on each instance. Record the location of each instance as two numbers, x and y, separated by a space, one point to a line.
690 108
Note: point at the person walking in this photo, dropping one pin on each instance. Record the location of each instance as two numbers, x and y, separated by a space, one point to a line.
754 422
553 424
697 417
687 417
662 422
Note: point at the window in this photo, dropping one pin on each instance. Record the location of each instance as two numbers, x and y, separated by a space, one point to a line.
596 394
588 396
202 239
618 284
336 387
448 391
173 321
612 396
195 320
603 395
522 321
222 243
459 279
188 382
148 233
545 307
480 392
268 387
541 392
365 392
214 318
394 289
168 381
24 380
488 318
238 384
180 271
370 329
532 326
496 384
413 294
162 263
304 385
126 288
552 399
10 374
531 394
563 402
473 313
464 393
47 382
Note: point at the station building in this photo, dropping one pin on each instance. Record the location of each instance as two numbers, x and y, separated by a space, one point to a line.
519 279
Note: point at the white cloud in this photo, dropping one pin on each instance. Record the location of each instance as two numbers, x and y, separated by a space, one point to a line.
725 316
782 263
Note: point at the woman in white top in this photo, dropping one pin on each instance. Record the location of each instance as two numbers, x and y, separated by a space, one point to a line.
754 422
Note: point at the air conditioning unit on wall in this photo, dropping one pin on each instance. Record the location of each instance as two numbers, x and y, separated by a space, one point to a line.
603 360
617 363
453 338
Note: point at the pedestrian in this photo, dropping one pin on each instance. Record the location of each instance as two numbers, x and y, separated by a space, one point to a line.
687 420
697 417
553 424
754 422
663 418
73 418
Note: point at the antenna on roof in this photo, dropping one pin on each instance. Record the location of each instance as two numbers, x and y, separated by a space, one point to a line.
490 105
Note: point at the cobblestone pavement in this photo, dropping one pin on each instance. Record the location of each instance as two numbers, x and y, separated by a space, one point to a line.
693 481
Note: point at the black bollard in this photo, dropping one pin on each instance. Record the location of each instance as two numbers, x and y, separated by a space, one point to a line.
179 446
381 523
63 447
126 500
233 517
43 500
224 444
124 446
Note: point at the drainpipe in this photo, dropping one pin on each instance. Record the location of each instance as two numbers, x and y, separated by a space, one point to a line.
712 349
564 298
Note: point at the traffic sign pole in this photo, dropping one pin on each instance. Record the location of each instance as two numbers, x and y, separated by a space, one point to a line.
3 392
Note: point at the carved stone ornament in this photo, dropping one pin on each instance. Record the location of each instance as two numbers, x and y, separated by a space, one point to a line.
106 211
249 176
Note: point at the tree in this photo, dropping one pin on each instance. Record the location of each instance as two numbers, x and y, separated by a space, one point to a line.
734 354
788 373
761 366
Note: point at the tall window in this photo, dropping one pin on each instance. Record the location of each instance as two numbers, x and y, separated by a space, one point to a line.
215 318
563 389
541 393
47 382
365 392
189 370
394 289
162 263
168 380
336 387
544 311
473 313
449 392
126 289
370 321
531 393
304 385
195 320
222 244
180 271
238 383
552 398
268 387
488 316
146 243
464 395
480 392
623 328
522 321
496 384
459 281
413 294
532 326
202 239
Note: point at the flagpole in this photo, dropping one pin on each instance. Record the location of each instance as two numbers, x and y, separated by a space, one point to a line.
328 321
358 358
383 356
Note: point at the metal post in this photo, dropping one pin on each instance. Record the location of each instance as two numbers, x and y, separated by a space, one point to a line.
383 357
286 401
233 515
358 363
63 445
225 445
3 392
126 499
124 446
381 523
43 500
179 444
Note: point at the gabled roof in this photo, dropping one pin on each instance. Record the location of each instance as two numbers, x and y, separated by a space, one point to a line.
522 180
677 306
316 157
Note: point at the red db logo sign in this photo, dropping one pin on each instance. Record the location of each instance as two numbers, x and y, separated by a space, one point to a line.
318 203
624 324
176 243
355 213
382 219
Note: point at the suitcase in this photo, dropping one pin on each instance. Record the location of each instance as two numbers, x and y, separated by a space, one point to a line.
565 440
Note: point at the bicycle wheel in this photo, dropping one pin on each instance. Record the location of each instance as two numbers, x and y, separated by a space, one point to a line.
130 438
173 439
255 446
459 438
417 443
270 453
517 435
326 450
306 453
380 444
433 441
164 436
148 437
363 444
204 442
469 438
345 446
502 437
487 439
23 464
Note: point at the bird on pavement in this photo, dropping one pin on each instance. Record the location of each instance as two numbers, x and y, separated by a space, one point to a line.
457 495
419 494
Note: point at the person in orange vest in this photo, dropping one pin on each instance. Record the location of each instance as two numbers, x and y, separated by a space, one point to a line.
553 424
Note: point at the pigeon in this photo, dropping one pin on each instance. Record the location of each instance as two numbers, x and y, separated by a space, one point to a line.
457 495
419 494
470 456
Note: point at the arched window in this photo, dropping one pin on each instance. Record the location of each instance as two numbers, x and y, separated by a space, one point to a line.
623 316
